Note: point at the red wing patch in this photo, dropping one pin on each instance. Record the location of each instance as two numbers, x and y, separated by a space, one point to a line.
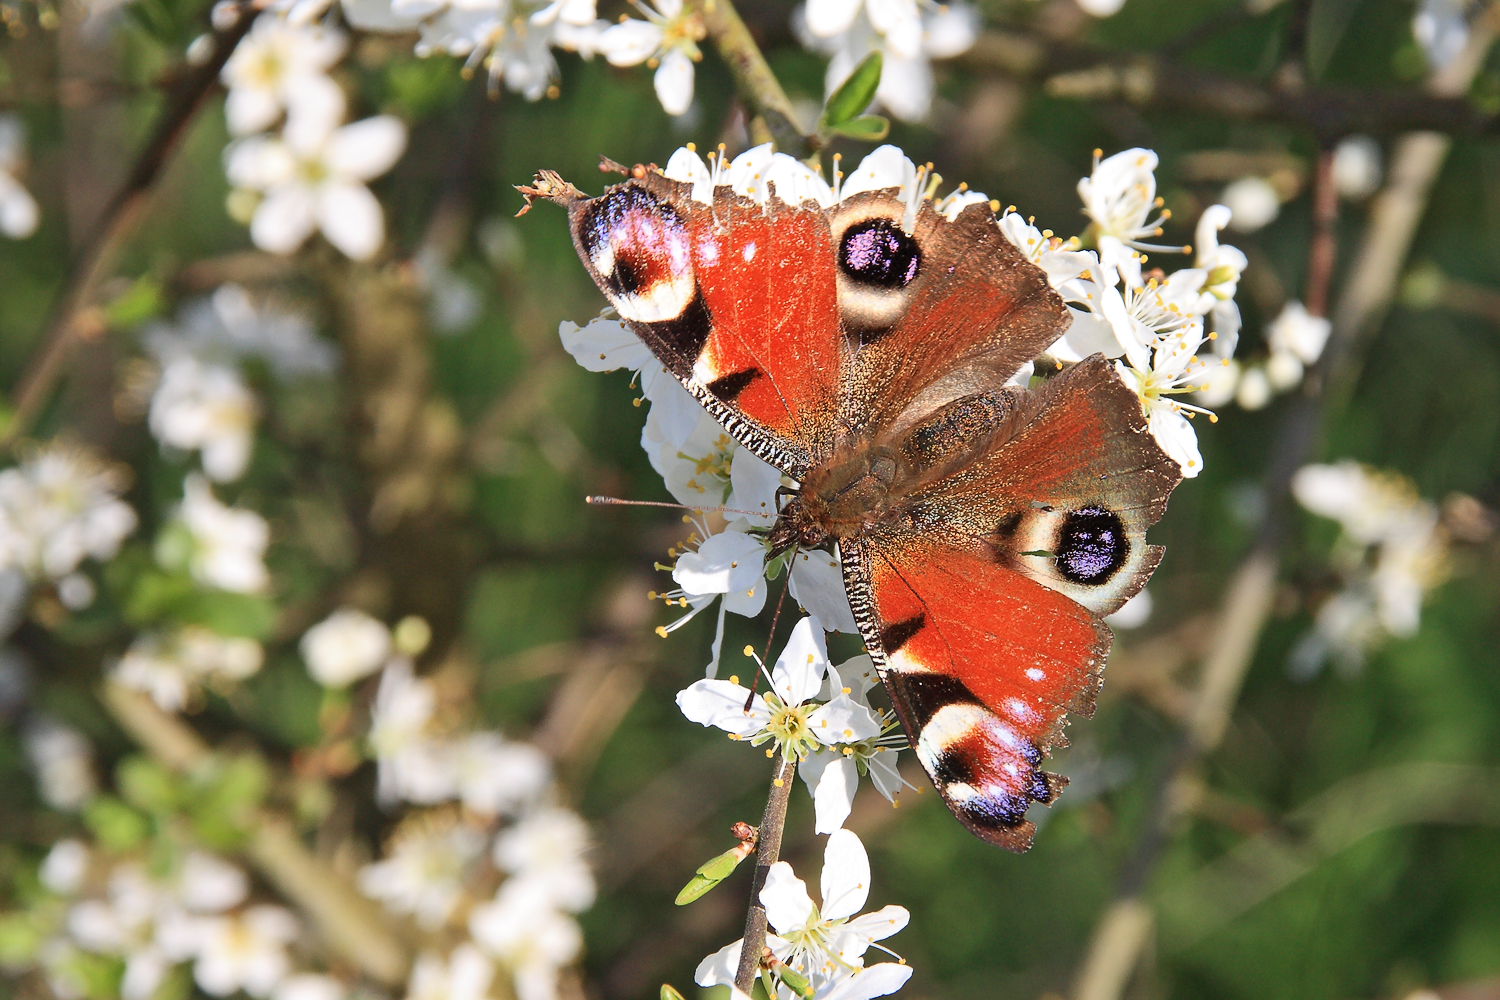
739 301
982 664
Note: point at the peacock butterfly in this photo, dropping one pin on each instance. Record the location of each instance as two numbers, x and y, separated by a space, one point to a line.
864 345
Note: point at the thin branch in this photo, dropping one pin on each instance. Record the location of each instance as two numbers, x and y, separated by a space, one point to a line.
772 117
351 925
117 222
1085 73
767 852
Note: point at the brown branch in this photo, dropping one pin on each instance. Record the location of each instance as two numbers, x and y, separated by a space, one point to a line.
767 853
117 222
1149 81
771 116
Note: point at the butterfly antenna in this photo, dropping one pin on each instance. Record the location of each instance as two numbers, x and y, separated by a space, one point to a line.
775 617
599 501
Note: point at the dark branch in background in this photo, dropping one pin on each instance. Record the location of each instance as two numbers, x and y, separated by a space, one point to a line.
115 225
771 116
1090 74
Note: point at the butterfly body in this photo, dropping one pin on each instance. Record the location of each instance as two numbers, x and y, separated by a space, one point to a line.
867 349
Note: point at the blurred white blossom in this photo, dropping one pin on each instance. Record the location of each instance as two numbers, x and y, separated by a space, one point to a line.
524 931
424 868
229 325
1356 166
172 668
548 847
60 506
205 408
227 544
63 759
466 974
1253 203
244 951
1441 28
908 36
1391 553
19 214
347 646
312 177
281 66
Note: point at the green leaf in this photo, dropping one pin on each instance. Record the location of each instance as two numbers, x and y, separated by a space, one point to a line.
853 95
1040 553
20 937
229 614
115 825
225 800
667 993
867 128
710 874
141 301
147 785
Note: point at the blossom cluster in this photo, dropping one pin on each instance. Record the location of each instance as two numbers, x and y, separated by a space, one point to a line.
311 174
19 214
1391 551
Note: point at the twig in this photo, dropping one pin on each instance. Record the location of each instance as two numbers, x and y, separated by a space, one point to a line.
1320 258
1115 947
767 853
115 225
1084 73
772 117
351 925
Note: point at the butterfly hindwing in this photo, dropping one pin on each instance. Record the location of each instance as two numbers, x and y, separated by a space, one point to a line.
982 665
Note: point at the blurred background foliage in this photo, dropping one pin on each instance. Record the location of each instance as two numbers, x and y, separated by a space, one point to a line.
543 600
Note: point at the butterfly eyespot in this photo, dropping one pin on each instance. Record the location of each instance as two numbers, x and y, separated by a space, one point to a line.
876 252
1091 545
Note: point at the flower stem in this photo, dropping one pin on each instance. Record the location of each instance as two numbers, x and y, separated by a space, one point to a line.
771 116
767 853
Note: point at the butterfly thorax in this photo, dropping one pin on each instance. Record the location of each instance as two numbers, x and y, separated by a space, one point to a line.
853 491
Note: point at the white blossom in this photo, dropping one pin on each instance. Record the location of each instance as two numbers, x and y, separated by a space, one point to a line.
280 66
227 543
347 646
1174 368
19 214
410 764
851 734
312 177
1441 28
826 942
205 407
424 869
1253 203
63 759
60 506
667 40
522 929
310 986
494 776
1119 196
245 951
464 975
1297 332
172 668
547 847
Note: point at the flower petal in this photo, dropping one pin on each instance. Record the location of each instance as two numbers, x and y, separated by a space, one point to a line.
367 148
719 968
872 981
799 669
722 704
285 219
826 18
674 82
788 906
846 876
604 345
833 797
630 43
817 584
351 219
